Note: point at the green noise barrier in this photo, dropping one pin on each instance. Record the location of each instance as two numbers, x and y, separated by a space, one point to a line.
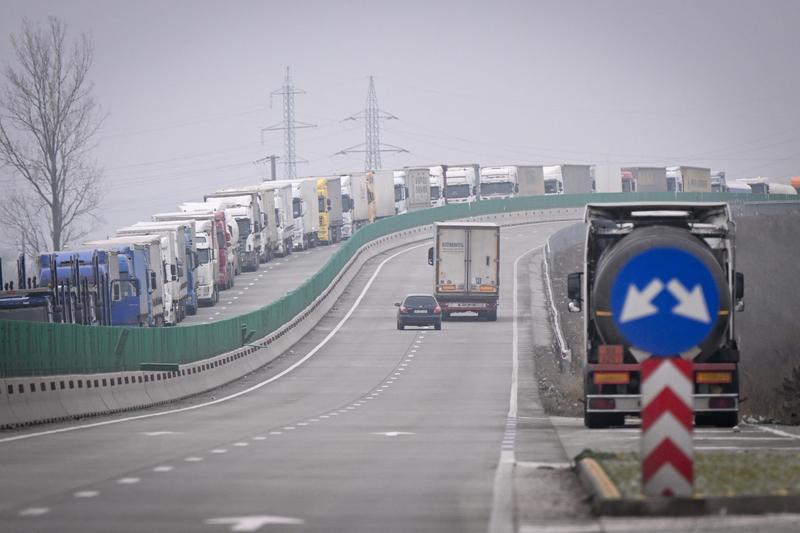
34 348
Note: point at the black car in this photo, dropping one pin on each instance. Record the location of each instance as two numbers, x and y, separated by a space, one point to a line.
419 310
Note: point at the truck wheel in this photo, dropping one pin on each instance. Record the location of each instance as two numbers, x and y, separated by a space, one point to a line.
191 310
726 419
597 420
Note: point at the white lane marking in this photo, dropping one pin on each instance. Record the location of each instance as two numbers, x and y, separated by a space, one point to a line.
164 468
538 464
288 427
276 432
216 313
252 523
224 308
754 448
219 450
501 518
34 511
193 459
128 480
241 444
314 420
259 438
334 414
86 494
393 433
159 433
775 431
248 390
302 424
324 416
235 297
229 303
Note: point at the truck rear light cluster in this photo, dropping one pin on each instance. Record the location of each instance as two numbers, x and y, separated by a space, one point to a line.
721 403
610 354
713 377
602 403
611 378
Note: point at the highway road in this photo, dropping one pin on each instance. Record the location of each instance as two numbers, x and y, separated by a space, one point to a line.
360 427
272 280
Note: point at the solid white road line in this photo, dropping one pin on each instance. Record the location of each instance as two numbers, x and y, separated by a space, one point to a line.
502 517
248 390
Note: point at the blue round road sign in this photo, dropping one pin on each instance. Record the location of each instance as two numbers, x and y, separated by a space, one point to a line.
664 301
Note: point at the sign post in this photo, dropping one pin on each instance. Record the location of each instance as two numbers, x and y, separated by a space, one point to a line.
667 417
664 302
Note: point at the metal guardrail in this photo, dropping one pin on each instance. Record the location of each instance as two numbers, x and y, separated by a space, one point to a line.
32 348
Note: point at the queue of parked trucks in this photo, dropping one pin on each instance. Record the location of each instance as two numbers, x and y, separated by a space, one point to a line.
157 272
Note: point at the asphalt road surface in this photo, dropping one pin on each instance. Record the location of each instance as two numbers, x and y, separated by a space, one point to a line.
360 427
253 290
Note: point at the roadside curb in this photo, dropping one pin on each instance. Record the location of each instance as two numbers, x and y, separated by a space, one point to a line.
607 500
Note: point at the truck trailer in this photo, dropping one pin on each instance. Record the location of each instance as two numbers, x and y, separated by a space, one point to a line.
659 279
466 261
418 187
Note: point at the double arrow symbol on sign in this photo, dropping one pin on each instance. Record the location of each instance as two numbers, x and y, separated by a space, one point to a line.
639 304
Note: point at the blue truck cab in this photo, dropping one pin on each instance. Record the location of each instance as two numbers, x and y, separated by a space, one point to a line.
137 299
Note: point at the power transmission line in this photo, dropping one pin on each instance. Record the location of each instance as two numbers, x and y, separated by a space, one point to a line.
372 146
288 125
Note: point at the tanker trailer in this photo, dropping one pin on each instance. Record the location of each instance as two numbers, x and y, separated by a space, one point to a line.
659 280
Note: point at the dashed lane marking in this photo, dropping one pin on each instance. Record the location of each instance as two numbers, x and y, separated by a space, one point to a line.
128 480
164 468
34 511
248 390
241 444
86 494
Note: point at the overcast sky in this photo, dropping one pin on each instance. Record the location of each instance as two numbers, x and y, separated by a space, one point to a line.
186 85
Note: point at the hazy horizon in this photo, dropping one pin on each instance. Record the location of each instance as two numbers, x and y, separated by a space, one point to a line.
187 85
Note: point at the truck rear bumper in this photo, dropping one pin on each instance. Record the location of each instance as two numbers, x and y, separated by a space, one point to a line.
632 403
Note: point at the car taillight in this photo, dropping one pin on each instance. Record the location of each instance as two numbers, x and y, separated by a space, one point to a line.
437 309
403 309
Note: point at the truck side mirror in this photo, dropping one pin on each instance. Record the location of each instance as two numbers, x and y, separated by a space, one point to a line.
516 188
574 291
153 281
173 270
430 256
738 291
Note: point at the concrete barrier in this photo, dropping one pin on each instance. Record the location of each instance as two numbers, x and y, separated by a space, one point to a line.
130 390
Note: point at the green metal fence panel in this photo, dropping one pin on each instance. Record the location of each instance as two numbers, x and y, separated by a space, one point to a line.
32 348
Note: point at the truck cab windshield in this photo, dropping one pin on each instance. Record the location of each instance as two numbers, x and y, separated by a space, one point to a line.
435 192
297 207
461 190
503 187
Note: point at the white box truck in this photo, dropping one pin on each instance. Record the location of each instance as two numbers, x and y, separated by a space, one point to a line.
466 261
530 180
418 186
384 193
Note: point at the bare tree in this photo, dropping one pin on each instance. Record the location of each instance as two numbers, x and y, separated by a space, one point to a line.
47 119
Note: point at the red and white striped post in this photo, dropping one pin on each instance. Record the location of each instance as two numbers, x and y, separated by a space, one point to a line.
667 416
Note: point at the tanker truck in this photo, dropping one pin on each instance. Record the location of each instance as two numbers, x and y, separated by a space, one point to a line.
659 280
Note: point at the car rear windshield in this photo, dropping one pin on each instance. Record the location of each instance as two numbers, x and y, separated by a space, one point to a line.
420 300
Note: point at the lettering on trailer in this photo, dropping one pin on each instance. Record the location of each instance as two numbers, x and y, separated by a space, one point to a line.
665 301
